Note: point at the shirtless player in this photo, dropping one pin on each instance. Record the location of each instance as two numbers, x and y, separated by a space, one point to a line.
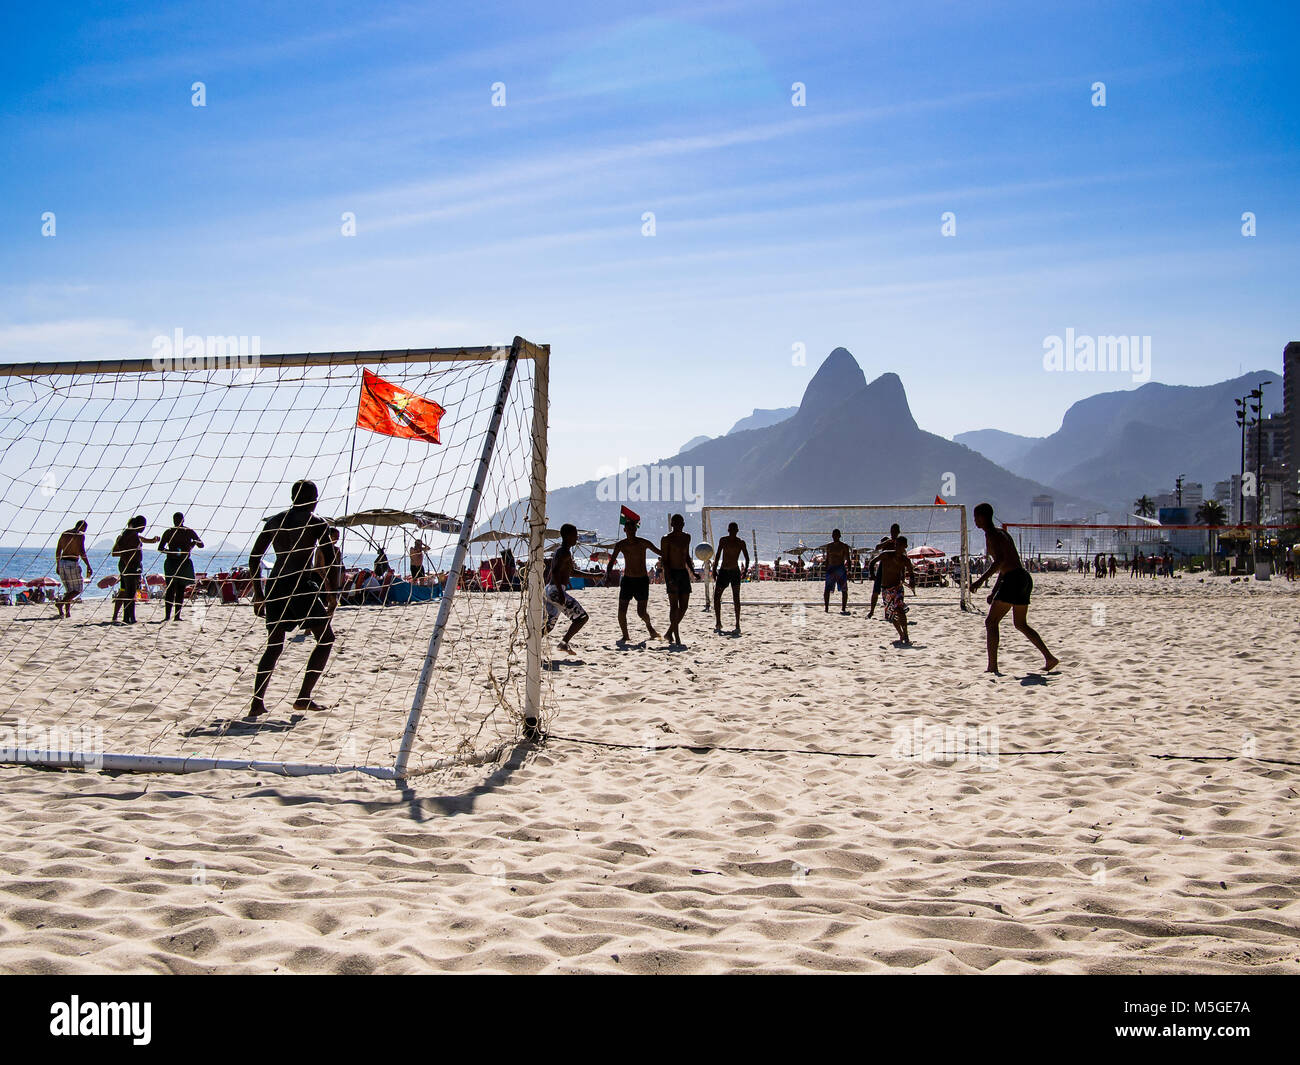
558 599
293 597
837 570
1011 592
679 573
69 554
726 572
886 544
636 579
893 565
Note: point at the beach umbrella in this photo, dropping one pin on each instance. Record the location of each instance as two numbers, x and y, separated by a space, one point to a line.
926 551
43 582
107 582
11 582
155 578
797 550
496 535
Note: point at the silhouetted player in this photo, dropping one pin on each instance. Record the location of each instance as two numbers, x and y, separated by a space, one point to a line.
679 573
293 596
636 578
176 544
727 572
558 599
837 570
1011 592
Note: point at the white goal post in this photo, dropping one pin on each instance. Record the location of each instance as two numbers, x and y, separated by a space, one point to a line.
203 412
784 534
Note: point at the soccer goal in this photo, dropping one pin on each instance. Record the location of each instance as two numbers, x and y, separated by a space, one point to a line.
785 545
430 469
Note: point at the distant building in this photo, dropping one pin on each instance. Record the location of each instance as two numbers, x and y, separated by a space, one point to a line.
1193 495
1225 494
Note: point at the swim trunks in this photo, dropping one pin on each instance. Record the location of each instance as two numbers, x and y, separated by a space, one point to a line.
678 581
70 575
637 588
837 577
1013 588
295 600
726 578
895 606
559 601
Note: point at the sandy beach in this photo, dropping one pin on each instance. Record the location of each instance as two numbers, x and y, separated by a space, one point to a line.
776 802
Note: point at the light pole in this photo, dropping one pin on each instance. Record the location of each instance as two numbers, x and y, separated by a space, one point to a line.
1241 476
1257 408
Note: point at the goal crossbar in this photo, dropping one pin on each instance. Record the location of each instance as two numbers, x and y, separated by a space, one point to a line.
534 613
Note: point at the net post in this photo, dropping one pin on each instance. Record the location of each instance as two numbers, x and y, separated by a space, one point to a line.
535 608
965 563
458 561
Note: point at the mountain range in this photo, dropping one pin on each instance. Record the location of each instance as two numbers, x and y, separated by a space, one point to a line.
760 419
1116 446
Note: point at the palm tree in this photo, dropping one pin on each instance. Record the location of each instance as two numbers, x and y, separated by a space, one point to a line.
1211 513
1143 507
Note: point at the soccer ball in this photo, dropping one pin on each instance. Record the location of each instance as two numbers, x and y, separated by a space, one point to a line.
704 552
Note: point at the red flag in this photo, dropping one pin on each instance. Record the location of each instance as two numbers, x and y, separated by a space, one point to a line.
385 408
938 501
625 515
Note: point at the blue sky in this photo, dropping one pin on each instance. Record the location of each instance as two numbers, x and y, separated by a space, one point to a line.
775 225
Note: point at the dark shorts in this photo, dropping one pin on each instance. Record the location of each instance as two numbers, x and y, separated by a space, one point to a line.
837 577
1014 588
637 588
178 571
130 584
295 600
677 581
727 578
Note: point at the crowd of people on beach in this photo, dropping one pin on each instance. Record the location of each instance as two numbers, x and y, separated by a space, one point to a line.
887 565
307 581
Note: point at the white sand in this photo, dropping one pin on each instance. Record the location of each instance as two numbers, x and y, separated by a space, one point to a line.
1140 817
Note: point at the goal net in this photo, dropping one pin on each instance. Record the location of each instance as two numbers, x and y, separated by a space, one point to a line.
436 615
786 545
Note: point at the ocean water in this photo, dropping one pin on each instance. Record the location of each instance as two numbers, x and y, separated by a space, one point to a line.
27 564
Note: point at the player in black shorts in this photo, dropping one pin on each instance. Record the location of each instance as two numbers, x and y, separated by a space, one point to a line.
679 574
1011 592
636 579
728 574
177 543
293 596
